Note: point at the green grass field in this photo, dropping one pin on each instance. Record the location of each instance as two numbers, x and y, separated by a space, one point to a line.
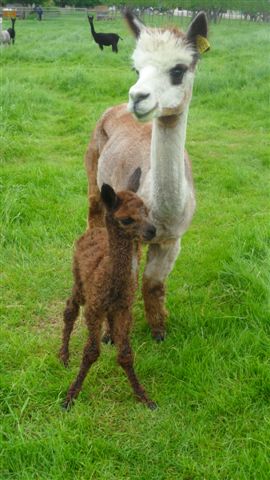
211 377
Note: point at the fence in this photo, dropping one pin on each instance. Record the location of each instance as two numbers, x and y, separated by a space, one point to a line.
150 14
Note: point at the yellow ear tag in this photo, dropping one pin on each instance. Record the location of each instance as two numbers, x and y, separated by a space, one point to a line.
202 44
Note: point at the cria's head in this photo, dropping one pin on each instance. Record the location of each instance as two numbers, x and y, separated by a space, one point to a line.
127 210
165 61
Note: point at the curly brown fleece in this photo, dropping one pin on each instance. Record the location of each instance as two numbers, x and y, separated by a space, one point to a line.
105 282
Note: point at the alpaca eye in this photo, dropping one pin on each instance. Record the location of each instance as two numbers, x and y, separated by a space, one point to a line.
127 221
177 74
136 71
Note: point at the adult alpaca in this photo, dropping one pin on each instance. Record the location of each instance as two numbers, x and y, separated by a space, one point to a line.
165 60
104 39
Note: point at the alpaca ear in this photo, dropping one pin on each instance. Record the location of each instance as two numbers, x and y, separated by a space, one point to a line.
109 197
135 25
197 33
134 180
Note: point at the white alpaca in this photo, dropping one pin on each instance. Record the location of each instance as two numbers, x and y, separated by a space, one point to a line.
165 60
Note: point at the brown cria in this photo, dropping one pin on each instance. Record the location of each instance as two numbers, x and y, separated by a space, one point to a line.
105 278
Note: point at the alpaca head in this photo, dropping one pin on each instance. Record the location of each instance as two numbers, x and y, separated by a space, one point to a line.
90 18
165 61
127 210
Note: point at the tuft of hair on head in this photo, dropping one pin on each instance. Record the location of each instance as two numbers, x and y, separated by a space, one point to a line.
198 27
109 197
134 180
135 25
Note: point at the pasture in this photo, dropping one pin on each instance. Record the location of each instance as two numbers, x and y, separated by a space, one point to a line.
211 377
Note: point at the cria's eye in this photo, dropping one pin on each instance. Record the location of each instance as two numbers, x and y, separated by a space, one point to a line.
177 74
127 221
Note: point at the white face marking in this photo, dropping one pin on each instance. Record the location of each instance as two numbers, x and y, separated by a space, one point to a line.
156 53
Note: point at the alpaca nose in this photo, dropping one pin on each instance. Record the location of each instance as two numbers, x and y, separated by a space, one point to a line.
150 233
137 97
152 230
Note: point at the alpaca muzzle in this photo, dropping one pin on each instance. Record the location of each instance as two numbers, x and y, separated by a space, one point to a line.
149 233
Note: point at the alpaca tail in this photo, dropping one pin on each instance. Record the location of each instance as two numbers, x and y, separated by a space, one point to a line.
95 212
120 37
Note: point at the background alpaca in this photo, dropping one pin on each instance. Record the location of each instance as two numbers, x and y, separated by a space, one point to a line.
165 60
104 39
8 35
105 282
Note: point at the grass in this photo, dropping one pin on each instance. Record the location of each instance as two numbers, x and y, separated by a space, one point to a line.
211 377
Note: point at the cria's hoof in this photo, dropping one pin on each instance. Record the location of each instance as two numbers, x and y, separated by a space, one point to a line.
67 405
64 359
159 337
152 405
65 362
107 339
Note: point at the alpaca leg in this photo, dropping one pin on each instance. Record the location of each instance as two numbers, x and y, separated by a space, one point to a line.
70 314
95 213
90 355
160 261
100 46
114 47
107 336
121 327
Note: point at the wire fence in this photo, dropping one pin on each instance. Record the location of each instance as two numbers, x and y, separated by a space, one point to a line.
151 15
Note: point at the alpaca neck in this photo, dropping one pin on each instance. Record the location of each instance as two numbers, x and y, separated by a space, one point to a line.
121 251
169 183
92 29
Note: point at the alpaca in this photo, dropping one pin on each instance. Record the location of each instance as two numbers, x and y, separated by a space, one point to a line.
105 279
165 61
6 36
104 39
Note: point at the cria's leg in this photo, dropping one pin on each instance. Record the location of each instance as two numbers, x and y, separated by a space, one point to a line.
121 327
90 355
160 261
107 336
70 314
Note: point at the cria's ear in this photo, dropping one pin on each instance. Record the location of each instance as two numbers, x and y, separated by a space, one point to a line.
197 33
109 197
135 25
134 180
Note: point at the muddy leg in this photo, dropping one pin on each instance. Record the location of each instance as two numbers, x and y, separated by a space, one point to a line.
160 261
90 355
121 328
70 314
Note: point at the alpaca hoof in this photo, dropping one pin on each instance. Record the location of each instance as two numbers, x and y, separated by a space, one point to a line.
64 359
67 405
65 362
159 336
107 339
152 405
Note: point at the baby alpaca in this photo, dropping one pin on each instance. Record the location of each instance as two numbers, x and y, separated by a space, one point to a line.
105 277
104 39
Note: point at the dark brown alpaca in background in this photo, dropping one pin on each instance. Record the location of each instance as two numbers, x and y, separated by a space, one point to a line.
105 278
